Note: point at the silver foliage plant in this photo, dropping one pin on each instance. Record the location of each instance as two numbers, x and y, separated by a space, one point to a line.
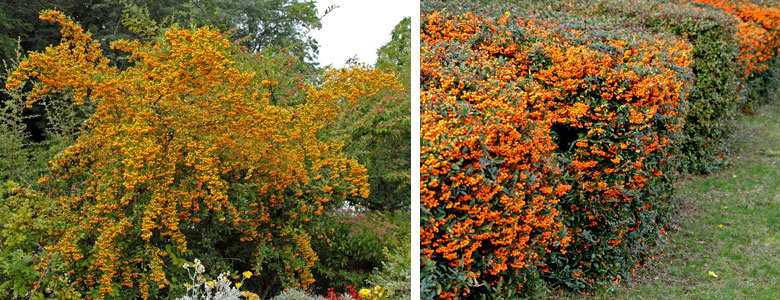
220 289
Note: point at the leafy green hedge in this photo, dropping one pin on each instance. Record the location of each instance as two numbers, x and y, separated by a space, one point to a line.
718 93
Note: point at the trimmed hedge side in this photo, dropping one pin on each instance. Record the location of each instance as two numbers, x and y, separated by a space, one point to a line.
550 143
489 189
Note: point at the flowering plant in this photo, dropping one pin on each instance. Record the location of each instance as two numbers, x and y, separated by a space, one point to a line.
350 295
376 293
201 288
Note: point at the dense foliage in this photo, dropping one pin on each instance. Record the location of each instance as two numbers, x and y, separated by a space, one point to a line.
550 142
27 223
356 242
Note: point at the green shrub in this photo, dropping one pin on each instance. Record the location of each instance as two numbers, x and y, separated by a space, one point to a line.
395 273
349 247
26 222
718 93
765 86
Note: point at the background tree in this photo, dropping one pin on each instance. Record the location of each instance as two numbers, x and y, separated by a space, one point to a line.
374 123
277 24
396 54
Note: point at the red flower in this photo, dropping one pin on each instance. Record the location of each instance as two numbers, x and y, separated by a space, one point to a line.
353 292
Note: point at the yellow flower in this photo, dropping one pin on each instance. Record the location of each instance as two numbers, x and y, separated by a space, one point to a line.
250 295
364 293
247 274
720 225
378 292
713 274
238 285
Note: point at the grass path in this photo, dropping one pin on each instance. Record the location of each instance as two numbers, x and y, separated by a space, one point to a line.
727 243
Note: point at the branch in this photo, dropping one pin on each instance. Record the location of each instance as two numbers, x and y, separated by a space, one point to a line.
154 106
122 90
21 178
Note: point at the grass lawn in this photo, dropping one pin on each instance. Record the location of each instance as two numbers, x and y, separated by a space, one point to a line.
727 242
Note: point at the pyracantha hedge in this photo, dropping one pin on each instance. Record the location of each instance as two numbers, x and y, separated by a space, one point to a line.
546 152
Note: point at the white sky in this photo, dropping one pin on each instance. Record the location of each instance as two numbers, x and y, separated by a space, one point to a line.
357 27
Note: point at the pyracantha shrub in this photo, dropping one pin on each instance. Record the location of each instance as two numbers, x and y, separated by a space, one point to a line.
619 112
758 36
185 141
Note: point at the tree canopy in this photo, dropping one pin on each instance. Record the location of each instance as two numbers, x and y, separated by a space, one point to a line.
396 54
277 24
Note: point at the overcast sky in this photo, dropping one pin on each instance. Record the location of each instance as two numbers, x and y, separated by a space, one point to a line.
357 27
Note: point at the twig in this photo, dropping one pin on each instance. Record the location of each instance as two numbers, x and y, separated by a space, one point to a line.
39 281
123 90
